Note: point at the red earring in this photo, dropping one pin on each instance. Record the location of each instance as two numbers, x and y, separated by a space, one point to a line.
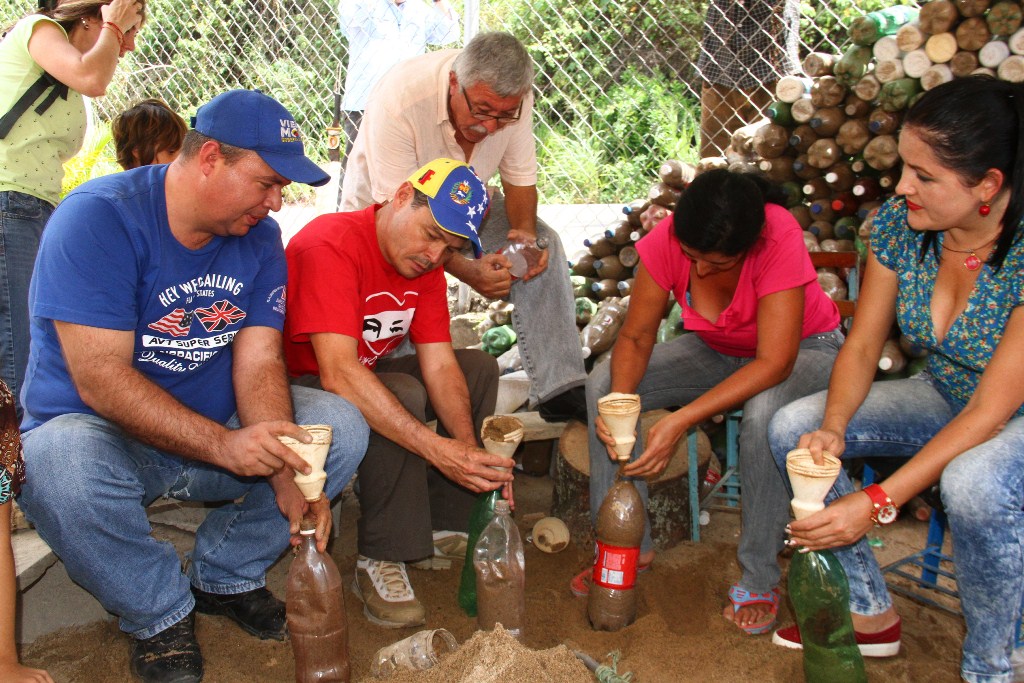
985 209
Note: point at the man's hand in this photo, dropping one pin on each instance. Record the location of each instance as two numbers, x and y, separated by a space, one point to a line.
294 507
488 274
256 452
472 467
320 510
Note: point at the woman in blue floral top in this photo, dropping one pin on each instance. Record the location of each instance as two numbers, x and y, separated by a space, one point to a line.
947 263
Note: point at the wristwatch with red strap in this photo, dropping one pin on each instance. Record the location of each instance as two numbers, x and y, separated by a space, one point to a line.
884 510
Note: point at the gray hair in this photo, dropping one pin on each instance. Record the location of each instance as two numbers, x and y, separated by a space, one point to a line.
498 60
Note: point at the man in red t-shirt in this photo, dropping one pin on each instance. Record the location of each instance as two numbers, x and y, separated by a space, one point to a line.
358 283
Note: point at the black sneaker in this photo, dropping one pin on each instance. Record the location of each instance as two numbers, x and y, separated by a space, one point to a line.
568 405
257 611
171 656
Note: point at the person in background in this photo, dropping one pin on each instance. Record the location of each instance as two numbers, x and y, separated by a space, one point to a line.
763 334
947 263
476 105
380 34
359 283
12 476
157 369
148 133
49 60
747 46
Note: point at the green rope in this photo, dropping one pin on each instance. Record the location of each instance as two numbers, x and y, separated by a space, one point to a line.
610 674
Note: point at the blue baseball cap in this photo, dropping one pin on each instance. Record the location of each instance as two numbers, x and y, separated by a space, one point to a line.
457 198
251 120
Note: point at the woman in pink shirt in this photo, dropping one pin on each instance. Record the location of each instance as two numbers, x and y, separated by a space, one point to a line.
763 334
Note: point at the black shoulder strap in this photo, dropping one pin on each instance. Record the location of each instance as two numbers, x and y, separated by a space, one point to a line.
43 83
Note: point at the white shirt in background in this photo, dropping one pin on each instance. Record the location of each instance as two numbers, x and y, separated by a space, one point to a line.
381 33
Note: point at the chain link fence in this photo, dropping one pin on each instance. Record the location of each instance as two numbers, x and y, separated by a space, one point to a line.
619 84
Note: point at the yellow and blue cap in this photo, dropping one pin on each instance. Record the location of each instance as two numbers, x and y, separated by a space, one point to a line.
457 198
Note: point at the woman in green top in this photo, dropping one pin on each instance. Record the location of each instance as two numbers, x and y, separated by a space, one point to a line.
48 61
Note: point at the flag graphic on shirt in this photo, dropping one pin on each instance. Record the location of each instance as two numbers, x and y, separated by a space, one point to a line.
220 315
176 323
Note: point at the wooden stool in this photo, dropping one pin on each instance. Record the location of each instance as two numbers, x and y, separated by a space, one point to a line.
669 496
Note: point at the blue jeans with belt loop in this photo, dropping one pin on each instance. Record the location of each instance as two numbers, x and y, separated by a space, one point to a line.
22 218
87 485
982 492
681 371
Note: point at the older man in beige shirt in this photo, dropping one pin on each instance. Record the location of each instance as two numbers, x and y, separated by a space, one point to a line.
476 105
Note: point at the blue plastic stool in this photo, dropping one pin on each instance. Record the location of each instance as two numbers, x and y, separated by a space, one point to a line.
727 490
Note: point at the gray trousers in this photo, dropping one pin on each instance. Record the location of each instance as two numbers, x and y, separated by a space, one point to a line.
545 313
402 499
679 372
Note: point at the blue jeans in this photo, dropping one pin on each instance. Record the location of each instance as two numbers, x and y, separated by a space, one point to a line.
544 317
22 218
982 491
682 370
87 487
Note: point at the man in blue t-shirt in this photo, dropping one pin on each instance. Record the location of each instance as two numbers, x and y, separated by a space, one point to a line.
156 369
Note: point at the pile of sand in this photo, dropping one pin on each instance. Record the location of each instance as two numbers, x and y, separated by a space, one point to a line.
495 656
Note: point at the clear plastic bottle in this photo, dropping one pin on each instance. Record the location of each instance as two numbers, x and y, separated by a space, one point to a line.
524 255
501 574
481 514
611 604
316 614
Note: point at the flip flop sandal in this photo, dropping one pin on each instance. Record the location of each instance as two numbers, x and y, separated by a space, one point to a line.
580 584
741 597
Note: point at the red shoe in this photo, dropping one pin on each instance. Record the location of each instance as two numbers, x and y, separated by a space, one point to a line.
882 644
580 584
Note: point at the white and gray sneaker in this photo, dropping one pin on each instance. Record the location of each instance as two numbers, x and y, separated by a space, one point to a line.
387 595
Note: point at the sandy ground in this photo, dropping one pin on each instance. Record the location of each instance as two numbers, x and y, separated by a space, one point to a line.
679 635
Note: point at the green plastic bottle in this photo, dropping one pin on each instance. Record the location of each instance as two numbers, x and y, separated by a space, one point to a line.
821 600
479 518
868 29
498 340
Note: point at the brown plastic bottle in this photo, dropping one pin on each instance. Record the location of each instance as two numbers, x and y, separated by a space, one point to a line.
827 92
603 289
599 334
853 135
600 246
676 174
583 264
826 121
315 609
823 153
771 140
663 195
802 138
619 232
620 528
609 267
629 256
882 153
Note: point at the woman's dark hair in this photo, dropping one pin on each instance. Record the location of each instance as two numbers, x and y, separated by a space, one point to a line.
973 124
723 211
144 130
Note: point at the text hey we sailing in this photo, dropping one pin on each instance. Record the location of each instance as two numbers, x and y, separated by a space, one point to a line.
192 288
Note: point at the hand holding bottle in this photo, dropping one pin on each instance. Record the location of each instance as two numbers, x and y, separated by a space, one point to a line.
527 254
